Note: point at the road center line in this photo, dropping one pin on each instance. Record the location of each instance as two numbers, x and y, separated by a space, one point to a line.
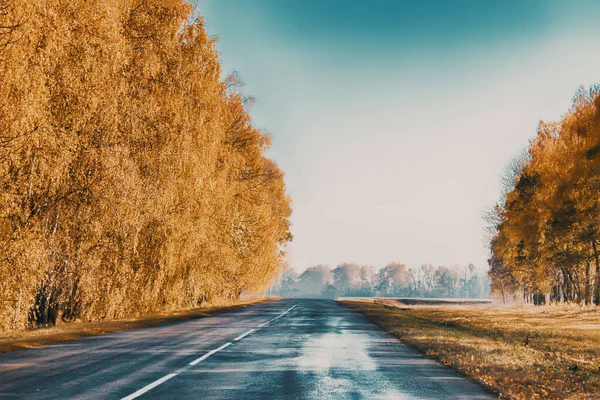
244 335
171 375
280 315
196 361
149 387
210 353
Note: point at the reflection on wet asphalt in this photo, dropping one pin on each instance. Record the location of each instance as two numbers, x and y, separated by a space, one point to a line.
319 350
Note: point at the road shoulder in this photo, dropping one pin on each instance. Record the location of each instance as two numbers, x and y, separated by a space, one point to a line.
516 353
76 330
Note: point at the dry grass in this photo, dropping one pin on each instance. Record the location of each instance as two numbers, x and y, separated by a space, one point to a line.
550 352
71 331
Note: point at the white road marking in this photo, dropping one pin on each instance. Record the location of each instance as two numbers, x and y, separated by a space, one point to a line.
277 317
210 353
244 335
171 375
149 387
200 359
282 314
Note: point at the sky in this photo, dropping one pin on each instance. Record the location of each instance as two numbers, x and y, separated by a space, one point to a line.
394 120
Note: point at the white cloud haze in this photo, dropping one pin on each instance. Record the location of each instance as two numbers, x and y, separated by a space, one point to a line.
394 156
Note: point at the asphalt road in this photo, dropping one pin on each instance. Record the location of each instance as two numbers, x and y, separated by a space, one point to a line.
289 349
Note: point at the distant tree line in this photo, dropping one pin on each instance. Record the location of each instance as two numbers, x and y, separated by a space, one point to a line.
131 177
545 230
393 280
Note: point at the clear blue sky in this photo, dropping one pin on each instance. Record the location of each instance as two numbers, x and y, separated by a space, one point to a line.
393 120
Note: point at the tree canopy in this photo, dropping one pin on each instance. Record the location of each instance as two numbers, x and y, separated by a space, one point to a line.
546 227
393 280
132 179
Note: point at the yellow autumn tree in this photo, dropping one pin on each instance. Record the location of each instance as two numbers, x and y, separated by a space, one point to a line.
131 179
546 231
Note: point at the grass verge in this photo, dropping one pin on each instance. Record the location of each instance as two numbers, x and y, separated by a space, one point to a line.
550 352
71 331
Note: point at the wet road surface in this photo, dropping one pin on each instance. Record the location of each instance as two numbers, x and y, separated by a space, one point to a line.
288 349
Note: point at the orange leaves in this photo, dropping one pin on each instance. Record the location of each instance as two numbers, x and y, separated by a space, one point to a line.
546 230
135 181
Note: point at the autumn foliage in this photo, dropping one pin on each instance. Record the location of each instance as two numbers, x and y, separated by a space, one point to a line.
546 234
131 177
393 280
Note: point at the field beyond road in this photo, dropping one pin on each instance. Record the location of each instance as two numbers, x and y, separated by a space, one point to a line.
518 352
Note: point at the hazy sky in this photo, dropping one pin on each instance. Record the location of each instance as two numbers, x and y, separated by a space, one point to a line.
393 120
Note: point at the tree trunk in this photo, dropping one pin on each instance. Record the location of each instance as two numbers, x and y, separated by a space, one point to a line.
567 286
575 295
588 290
597 289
